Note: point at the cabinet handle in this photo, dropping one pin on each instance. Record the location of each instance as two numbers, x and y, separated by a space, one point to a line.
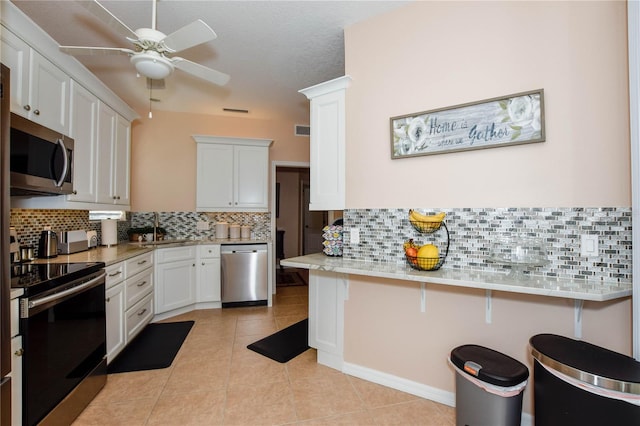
115 274
118 197
202 263
142 312
27 107
229 202
108 299
114 197
194 265
142 262
36 112
75 192
19 352
142 283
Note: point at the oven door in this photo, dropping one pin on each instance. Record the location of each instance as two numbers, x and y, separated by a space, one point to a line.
64 339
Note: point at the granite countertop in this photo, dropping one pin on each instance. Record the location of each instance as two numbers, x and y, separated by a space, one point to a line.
126 250
539 285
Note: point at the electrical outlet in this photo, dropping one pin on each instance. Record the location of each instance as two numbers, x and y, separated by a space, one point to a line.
354 236
202 225
588 245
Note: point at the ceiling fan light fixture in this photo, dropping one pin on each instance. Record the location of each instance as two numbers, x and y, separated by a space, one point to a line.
152 65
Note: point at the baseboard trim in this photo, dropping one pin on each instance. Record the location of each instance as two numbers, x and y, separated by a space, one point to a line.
409 386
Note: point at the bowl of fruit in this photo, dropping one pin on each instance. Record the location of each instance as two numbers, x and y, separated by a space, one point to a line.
423 257
425 223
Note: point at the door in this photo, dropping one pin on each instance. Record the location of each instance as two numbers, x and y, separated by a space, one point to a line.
312 224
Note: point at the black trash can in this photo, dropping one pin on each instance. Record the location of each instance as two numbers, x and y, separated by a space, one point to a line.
489 387
578 383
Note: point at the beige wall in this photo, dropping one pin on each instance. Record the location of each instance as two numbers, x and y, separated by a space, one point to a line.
163 170
431 55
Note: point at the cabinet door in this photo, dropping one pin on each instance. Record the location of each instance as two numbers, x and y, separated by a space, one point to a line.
122 162
48 94
83 129
15 55
208 288
104 164
214 177
251 177
326 316
16 380
114 305
175 285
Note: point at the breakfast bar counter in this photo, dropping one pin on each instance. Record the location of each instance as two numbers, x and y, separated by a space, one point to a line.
591 290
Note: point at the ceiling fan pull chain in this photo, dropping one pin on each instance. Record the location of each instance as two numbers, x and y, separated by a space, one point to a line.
150 114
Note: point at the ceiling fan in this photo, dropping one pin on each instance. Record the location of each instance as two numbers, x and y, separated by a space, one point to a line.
151 48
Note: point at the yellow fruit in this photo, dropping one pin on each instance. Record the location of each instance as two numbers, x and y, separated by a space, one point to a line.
428 251
419 217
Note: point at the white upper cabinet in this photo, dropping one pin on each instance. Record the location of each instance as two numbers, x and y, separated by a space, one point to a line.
39 89
232 174
121 172
327 146
83 130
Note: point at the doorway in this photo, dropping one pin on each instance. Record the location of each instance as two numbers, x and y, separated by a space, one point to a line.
298 231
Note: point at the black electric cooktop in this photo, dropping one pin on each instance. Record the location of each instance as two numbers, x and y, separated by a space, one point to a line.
38 277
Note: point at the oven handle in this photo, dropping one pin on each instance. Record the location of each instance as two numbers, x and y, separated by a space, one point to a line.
34 303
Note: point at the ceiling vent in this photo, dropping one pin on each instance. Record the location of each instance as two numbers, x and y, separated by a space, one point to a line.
300 130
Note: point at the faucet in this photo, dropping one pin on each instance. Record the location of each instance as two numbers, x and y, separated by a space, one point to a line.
156 223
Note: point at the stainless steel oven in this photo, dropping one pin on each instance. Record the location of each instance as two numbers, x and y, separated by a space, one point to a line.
63 327
41 159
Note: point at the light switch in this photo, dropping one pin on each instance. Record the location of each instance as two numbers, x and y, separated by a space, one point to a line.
354 236
589 245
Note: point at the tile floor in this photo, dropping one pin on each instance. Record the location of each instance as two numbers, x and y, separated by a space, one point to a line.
216 380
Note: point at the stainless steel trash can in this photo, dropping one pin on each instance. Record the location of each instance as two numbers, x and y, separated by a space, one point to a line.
489 387
578 383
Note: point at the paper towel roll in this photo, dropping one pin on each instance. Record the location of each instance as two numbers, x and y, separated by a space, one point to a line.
109 232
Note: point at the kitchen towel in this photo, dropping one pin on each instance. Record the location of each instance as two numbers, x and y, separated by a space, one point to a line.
109 232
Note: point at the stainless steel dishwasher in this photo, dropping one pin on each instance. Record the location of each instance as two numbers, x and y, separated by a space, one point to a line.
243 274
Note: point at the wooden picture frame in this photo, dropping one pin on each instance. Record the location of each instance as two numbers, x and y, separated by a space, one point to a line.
507 120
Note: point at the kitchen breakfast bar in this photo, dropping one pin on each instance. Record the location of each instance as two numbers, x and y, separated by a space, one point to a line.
329 285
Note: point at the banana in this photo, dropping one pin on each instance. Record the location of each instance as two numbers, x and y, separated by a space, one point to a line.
418 217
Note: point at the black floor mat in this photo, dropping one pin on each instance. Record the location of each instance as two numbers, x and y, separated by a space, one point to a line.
155 347
286 344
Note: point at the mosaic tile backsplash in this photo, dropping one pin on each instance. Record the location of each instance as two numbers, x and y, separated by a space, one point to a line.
472 231
181 225
30 222
382 232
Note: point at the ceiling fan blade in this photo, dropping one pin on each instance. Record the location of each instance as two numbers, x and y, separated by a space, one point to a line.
108 18
200 71
155 84
95 51
188 36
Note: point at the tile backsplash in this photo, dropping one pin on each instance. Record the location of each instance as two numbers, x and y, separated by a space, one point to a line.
382 232
472 232
30 222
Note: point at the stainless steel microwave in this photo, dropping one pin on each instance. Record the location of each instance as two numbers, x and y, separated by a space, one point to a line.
41 159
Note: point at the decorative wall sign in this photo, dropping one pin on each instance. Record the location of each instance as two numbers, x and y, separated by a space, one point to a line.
507 120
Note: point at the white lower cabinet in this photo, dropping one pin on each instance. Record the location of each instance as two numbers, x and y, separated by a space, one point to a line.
138 316
208 280
129 301
175 275
114 302
327 293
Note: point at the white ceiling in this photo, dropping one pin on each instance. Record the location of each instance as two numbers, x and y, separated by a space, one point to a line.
271 49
